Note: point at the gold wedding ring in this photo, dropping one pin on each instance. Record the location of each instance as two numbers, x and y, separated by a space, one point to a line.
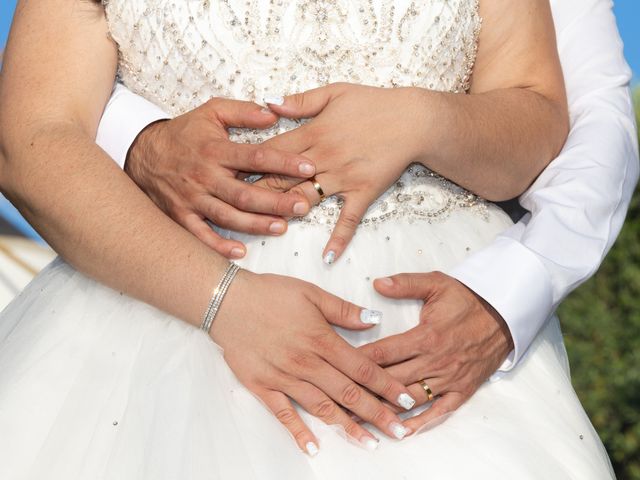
426 389
318 188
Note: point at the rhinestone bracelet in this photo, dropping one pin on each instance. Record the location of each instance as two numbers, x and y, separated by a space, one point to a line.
218 295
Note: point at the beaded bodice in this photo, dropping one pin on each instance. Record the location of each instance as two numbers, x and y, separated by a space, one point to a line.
180 53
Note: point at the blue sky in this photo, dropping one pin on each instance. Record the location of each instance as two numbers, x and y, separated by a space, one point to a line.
627 13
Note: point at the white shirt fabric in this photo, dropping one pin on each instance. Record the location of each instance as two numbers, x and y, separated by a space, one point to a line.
576 207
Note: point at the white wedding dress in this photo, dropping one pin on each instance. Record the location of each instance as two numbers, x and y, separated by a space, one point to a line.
96 385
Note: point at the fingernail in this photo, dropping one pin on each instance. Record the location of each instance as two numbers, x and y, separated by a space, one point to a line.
312 449
330 257
273 99
237 252
369 443
306 169
300 208
370 317
386 281
398 430
406 401
277 227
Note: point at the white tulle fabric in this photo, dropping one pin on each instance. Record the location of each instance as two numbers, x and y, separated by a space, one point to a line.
96 385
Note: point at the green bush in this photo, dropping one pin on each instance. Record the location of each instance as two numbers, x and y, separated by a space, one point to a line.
601 321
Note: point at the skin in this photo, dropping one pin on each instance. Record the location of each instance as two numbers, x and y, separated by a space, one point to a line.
494 142
94 215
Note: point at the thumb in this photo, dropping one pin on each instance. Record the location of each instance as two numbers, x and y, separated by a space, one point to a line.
345 314
237 113
406 285
301 105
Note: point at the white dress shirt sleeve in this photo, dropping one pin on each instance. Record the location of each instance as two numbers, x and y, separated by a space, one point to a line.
124 117
578 204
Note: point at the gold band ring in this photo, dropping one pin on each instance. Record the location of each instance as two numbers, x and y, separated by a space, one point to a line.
318 188
426 389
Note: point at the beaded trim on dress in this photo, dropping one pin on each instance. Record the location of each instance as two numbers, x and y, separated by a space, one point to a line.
181 54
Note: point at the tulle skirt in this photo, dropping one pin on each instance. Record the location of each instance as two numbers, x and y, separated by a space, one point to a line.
97 385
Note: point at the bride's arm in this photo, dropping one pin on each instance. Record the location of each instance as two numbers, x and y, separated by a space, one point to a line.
58 73
493 141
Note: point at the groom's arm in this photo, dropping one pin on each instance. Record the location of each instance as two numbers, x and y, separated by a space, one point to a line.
124 117
578 204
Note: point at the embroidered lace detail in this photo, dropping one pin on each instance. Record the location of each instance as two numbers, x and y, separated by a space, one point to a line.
179 54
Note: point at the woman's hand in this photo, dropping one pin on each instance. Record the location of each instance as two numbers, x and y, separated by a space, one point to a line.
460 341
189 167
361 140
280 344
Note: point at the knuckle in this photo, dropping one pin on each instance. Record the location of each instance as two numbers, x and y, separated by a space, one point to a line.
365 372
243 198
352 429
378 354
387 389
379 416
287 416
350 219
258 159
300 361
326 409
323 342
346 310
351 395
221 216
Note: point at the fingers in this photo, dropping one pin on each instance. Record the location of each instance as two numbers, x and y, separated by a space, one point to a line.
261 159
284 411
439 411
437 386
228 217
317 403
294 141
236 113
229 248
353 397
350 216
344 314
407 285
248 197
367 373
394 348
305 104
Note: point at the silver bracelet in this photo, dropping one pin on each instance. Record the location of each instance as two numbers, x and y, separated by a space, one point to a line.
217 296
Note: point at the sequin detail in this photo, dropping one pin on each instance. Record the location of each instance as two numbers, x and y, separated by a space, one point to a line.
179 54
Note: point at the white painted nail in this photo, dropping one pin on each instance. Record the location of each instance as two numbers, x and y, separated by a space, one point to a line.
398 430
273 99
312 449
330 257
370 317
406 401
369 443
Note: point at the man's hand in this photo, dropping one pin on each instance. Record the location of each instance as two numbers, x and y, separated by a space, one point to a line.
460 341
189 168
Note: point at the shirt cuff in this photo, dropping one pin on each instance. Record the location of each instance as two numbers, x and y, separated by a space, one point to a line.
125 116
513 280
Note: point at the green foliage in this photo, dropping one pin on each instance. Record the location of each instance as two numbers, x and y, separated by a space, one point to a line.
601 321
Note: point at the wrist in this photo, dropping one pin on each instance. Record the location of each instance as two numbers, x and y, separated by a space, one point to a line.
426 123
143 148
